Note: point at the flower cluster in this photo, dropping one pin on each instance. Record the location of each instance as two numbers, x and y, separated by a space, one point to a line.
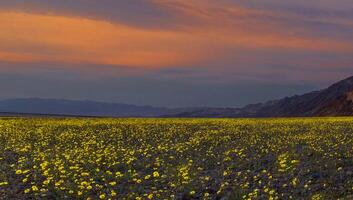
176 158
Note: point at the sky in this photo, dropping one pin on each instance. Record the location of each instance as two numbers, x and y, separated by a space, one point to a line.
174 53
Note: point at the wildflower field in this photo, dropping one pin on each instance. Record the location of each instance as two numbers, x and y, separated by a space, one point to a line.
68 158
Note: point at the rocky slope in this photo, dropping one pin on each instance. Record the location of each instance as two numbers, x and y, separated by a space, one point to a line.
336 100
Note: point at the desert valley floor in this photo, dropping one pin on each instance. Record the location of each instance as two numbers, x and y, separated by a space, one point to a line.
99 158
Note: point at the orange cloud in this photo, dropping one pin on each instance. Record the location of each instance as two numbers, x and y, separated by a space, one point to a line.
28 37
31 37
255 28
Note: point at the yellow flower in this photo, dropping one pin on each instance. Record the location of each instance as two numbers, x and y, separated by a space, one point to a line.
102 196
118 174
112 183
150 196
84 174
19 171
34 188
84 183
155 174
3 183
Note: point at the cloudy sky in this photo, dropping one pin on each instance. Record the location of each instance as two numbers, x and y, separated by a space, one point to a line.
173 52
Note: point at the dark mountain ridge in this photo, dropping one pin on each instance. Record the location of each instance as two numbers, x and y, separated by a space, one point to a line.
335 100
37 106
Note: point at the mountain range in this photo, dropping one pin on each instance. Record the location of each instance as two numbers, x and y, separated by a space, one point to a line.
62 107
336 100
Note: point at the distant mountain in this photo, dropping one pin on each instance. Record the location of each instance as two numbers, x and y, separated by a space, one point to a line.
37 106
336 100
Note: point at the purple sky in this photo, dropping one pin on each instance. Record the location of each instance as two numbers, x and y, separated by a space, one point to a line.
173 52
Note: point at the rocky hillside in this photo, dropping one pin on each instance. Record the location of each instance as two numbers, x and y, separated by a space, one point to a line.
336 100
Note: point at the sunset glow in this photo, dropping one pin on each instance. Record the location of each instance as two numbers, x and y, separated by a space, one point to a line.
234 41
